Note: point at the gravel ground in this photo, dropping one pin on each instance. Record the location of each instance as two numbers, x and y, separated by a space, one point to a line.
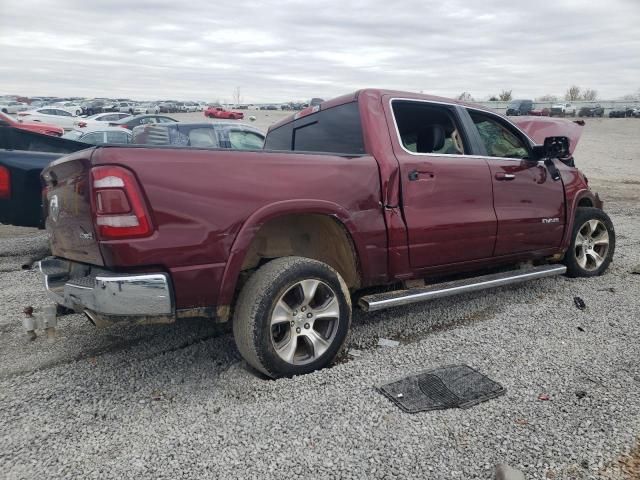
177 401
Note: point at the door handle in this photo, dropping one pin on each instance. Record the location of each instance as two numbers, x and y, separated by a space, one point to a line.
505 176
415 175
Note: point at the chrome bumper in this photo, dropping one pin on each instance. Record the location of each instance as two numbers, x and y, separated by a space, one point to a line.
107 296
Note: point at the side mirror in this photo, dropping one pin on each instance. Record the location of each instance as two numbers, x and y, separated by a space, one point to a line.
554 147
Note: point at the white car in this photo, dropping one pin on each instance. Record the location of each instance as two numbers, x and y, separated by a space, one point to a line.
129 107
99 118
72 108
13 107
52 115
100 135
148 108
562 109
191 107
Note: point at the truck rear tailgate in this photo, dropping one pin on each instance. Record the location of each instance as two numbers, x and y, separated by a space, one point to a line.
68 203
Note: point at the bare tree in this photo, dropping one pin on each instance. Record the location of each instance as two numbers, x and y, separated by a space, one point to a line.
237 98
547 98
505 95
573 93
589 94
465 97
631 97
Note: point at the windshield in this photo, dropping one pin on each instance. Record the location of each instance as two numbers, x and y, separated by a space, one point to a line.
6 118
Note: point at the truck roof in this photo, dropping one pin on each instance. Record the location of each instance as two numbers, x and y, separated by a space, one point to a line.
376 93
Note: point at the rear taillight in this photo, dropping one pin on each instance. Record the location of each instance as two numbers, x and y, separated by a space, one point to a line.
118 205
82 124
5 183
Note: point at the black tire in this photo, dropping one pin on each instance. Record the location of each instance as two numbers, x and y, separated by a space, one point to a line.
571 258
254 332
4 110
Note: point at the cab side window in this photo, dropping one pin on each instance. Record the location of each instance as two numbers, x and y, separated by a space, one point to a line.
498 138
427 128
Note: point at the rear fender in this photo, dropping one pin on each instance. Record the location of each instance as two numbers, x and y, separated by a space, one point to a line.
253 224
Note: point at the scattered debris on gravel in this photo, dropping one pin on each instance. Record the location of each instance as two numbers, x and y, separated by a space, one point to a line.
579 303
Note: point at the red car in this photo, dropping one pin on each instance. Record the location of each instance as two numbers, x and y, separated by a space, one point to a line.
422 197
36 127
539 112
220 112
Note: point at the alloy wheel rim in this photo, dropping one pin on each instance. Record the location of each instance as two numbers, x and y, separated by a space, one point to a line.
304 321
591 245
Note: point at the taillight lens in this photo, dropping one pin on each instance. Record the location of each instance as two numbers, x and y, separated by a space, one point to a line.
5 183
118 205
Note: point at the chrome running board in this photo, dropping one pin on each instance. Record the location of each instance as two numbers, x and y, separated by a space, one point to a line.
371 303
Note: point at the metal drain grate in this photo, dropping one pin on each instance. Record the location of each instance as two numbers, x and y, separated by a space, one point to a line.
447 387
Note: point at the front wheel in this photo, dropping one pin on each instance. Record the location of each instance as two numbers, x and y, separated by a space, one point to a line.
593 242
292 317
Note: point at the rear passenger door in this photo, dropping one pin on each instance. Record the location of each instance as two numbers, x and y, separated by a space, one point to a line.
447 198
529 203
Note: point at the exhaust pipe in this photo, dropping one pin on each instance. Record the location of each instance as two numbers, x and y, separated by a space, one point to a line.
90 317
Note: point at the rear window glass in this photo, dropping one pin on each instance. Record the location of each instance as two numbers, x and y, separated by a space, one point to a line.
335 130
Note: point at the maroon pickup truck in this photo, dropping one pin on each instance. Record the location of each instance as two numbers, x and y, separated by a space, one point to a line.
377 189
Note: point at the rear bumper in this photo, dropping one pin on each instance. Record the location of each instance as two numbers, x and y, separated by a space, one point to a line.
107 297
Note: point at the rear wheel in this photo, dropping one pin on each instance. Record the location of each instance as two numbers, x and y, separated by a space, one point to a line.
593 243
292 317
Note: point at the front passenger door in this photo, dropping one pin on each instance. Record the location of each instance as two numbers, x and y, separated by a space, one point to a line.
447 198
528 202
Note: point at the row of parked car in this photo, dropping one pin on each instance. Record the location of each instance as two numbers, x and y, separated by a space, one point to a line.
152 129
15 105
567 109
91 107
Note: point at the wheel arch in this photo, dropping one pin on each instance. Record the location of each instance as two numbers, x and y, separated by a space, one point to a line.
583 198
268 232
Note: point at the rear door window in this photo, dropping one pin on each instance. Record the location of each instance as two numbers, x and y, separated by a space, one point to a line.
427 128
245 140
334 130
203 138
93 138
117 137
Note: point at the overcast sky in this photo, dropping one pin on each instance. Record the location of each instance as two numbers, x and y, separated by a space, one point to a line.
288 50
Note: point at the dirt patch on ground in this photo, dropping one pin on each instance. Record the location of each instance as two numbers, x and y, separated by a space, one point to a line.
626 466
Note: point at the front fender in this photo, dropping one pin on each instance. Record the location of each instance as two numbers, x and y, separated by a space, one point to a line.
572 205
